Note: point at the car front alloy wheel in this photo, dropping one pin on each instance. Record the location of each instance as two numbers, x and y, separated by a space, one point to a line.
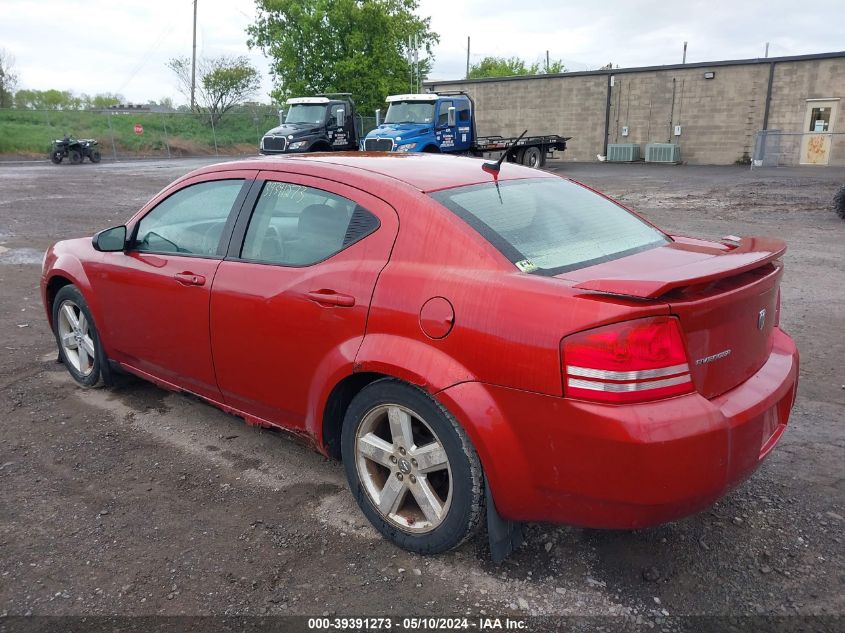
77 337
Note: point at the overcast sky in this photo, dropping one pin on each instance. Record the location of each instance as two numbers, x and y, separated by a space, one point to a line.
121 46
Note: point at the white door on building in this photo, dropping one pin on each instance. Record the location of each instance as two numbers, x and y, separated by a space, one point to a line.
818 126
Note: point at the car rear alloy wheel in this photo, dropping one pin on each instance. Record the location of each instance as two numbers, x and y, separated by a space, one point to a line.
406 475
76 335
412 468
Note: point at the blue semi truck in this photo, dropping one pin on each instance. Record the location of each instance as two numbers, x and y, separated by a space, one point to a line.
444 122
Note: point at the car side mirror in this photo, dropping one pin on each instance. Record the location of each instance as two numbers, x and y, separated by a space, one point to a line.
340 117
111 240
450 117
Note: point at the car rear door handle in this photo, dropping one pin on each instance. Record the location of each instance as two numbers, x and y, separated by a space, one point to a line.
190 279
331 298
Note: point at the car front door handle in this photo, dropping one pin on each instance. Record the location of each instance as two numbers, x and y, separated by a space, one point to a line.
331 298
190 279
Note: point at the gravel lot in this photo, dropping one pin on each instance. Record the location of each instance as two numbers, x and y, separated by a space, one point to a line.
136 501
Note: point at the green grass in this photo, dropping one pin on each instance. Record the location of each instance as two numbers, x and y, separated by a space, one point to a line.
30 132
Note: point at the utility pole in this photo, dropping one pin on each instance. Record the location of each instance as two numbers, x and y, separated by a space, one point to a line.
418 73
547 61
194 61
467 77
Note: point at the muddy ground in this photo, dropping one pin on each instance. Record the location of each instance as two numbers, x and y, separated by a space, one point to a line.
136 501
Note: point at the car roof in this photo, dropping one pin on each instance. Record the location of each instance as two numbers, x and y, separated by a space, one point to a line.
424 172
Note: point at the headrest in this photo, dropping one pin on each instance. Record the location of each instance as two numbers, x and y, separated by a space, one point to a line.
323 220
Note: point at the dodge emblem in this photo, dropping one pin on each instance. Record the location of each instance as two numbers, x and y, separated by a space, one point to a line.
761 319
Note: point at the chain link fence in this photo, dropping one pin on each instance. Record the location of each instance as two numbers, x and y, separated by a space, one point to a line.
127 134
130 134
776 148
363 124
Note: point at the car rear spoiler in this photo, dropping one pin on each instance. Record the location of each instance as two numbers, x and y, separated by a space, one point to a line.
750 253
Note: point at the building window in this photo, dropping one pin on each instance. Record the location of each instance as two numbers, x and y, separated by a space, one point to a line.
820 120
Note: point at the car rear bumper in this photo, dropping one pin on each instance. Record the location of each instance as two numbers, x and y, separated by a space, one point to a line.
553 459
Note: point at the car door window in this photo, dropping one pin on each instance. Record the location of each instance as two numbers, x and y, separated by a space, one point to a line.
333 113
295 225
443 116
191 221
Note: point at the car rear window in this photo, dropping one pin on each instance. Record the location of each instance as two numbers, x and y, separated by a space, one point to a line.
550 225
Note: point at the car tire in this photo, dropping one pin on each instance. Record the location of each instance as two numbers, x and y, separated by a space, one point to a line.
532 157
77 337
839 202
56 157
75 157
95 156
400 446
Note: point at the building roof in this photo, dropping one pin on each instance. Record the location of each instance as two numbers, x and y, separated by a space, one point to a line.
639 69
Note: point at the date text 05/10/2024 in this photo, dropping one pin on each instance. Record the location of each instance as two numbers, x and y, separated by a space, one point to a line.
417 624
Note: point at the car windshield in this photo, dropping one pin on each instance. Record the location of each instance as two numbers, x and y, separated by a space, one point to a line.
306 113
410 112
550 225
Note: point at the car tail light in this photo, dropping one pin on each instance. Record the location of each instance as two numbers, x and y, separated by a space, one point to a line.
626 362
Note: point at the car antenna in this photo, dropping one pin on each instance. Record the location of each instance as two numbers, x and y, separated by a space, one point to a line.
495 167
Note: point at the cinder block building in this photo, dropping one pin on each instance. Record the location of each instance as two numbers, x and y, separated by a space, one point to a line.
709 113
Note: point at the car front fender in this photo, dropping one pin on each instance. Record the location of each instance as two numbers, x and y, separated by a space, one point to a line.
65 265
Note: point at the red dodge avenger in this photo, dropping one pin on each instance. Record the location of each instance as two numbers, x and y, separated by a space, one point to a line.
474 345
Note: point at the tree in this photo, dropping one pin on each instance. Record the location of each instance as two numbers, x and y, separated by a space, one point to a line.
357 46
222 82
511 67
106 99
555 66
8 79
46 100
63 100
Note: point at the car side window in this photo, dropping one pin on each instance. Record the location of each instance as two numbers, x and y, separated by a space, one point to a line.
191 221
443 115
295 225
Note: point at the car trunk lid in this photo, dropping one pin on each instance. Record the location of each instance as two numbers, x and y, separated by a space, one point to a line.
725 297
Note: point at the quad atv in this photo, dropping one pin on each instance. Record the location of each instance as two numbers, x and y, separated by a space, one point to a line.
75 150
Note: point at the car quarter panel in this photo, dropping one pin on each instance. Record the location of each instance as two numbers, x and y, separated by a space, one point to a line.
507 325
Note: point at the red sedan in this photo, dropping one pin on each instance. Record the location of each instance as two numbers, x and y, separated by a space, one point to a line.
507 345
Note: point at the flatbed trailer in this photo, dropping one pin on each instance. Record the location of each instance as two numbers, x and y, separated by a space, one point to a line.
445 122
530 150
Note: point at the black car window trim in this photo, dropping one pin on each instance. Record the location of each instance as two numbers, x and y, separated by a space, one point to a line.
228 227
238 240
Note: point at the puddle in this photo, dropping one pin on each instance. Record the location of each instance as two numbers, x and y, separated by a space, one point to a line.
11 256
